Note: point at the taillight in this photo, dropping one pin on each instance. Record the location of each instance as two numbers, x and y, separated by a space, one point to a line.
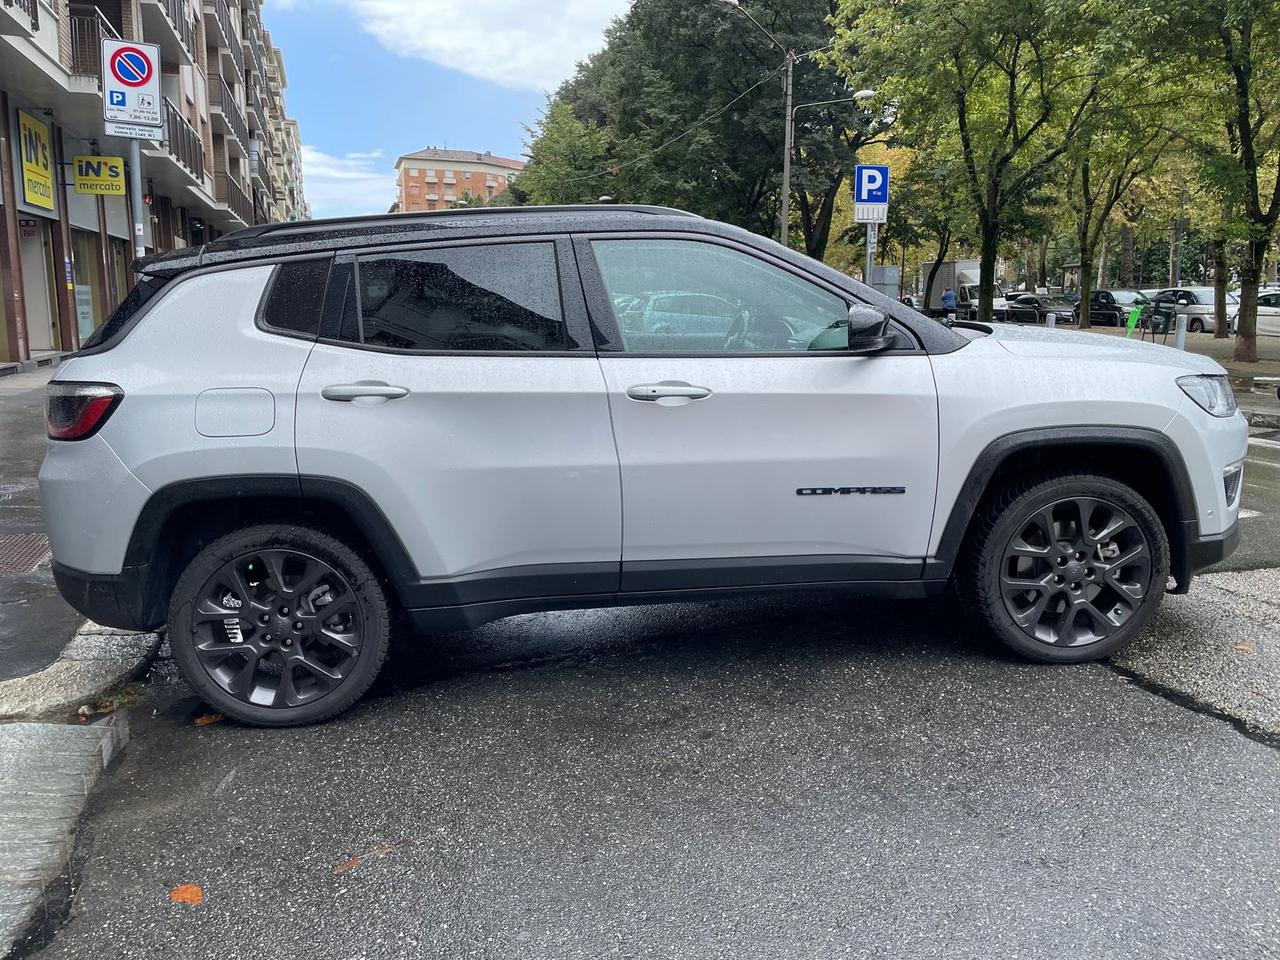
76 411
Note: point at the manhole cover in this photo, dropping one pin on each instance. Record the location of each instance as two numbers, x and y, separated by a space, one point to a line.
23 552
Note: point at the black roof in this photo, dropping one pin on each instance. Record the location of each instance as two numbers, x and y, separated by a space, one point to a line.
311 236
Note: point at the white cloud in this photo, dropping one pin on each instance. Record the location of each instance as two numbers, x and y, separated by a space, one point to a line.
515 43
353 183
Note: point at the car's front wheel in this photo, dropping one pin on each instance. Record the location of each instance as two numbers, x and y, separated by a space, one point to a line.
277 625
1067 569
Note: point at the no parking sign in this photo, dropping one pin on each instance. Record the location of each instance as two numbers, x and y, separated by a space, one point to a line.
131 84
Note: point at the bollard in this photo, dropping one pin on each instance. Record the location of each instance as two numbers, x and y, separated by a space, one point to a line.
1051 320
1180 336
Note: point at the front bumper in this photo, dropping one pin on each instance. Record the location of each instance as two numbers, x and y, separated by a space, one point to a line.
1200 552
122 600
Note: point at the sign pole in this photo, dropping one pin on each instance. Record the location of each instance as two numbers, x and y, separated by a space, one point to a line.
135 198
872 237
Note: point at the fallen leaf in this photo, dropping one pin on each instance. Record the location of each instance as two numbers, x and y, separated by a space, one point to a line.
205 719
1242 647
349 865
381 850
190 894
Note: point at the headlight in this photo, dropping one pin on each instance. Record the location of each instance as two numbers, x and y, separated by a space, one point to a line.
1211 393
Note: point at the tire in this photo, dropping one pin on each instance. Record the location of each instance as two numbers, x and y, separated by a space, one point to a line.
1197 326
316 638
1005 542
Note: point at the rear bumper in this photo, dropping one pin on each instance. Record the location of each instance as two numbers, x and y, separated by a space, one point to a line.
120 600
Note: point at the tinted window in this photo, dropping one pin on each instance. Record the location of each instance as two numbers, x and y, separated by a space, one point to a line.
486 297
686 296
295 297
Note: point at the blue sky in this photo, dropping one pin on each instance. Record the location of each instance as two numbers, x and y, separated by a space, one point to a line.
372 79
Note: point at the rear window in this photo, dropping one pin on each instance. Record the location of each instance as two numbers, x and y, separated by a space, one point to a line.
116 325
295 298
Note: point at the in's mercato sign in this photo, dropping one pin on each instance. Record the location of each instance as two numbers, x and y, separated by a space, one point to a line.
99 176
37 161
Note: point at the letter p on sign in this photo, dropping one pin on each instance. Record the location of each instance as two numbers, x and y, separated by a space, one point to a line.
872 184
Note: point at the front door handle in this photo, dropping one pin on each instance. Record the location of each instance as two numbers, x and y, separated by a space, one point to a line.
365 389
668 390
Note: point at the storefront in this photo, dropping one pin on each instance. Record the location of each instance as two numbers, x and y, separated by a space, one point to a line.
35 172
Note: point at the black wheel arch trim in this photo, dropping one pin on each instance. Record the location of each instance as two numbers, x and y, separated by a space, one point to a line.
1182 533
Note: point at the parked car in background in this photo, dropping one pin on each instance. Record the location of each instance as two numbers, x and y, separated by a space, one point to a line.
1269 314
1104 310
1048 305
1196 303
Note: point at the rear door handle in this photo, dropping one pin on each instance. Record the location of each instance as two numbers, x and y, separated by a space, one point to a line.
365 389
668 390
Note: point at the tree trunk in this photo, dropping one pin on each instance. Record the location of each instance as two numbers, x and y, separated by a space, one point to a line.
1219 288
1175 253
1042 263
1246 350
987 278
944 244
1100 277
1086 288
1127 244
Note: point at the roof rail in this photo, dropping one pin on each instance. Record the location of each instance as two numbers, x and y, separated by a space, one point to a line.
397 219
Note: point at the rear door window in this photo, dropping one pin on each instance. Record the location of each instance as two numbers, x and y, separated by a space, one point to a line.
498 297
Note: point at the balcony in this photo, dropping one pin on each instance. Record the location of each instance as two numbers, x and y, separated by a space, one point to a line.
226 114
227 191
218 27
20 18
164 23
88 27
260 170
183 141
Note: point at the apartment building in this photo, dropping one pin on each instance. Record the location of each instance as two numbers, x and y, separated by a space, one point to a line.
229 157
436 179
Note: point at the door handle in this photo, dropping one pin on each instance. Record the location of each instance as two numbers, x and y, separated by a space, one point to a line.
667 390
365 389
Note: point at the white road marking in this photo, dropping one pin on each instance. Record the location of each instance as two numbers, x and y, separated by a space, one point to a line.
1249 514
1261 463
1264 442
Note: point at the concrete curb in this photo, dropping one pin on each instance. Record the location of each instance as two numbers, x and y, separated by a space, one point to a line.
97 660
1270 421
46 773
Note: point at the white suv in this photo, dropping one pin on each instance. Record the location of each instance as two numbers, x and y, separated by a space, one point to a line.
287 437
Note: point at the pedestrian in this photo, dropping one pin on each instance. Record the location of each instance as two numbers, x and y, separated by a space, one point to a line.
948 299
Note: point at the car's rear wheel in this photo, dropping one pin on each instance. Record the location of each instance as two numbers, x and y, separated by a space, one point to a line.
1197 326
1066 570
277 625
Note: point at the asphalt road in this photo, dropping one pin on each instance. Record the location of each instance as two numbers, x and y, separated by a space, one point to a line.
1260 508
809 777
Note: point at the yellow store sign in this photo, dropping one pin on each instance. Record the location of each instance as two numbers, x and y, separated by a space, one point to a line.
37 161
99 176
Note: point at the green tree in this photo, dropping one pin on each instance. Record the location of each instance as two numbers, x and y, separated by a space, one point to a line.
1013 80
1234 45
690 100
565 154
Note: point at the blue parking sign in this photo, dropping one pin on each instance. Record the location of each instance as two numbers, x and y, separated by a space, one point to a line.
871 184
117 98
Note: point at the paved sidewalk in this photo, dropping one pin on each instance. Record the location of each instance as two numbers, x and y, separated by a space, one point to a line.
35 623
46 773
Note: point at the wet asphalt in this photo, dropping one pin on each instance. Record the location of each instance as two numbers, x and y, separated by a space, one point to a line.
800 777
35 623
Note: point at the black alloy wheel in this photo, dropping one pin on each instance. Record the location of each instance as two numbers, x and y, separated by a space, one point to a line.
1076 572
1065 569
279 625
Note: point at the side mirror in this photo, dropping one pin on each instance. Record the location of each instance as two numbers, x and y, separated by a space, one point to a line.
869 331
